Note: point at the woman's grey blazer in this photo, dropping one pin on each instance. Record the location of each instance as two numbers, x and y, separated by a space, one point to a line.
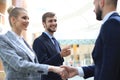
17 62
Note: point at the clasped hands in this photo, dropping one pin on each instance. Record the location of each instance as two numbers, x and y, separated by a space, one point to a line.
67 72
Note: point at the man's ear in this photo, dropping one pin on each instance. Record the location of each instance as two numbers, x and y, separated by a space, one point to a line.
43 24
102 3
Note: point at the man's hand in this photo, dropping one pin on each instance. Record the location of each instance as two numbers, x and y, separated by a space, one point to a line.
72 71
65 51
59 70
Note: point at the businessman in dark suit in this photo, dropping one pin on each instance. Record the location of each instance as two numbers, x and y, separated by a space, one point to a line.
106 53
47 47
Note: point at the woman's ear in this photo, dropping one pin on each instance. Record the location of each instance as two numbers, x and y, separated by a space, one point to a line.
13 20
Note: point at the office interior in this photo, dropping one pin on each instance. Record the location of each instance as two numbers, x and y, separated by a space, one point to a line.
81 44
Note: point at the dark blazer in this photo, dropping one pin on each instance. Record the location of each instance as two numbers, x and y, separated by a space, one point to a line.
47 54
106 53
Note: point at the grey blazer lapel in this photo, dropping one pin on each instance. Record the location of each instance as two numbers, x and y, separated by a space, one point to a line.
15 42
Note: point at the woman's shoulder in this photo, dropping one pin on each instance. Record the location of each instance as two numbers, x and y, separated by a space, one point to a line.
3 36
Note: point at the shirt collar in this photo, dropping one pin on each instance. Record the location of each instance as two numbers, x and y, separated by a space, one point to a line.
107 16
18 37
49 35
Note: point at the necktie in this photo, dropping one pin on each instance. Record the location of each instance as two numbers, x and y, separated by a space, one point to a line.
56 44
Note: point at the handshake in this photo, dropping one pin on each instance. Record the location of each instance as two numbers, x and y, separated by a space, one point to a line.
65 71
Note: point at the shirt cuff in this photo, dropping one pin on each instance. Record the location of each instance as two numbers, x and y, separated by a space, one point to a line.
80 72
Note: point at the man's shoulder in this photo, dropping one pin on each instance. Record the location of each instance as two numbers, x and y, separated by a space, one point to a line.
116 17
40 38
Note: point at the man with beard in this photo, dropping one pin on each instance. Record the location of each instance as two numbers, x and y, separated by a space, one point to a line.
106 53
47 47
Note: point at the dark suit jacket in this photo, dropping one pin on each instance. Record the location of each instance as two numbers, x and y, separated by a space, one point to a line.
106 53
47 54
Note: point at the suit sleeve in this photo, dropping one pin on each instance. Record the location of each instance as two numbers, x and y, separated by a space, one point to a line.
110 34
11 59
44 54
88 71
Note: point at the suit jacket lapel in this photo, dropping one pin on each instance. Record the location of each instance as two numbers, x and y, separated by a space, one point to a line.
50 42
15 42
48 39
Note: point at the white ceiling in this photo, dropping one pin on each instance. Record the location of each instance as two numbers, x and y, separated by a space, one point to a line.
76 19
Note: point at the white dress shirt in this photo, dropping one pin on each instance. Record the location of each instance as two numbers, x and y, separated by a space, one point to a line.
50 36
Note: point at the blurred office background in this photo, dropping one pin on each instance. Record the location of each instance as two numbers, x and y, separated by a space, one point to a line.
77 26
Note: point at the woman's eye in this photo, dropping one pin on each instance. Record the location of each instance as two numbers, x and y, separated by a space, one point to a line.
25 17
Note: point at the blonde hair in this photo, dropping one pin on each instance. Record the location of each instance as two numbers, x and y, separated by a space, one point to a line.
14 12
10 9
46 15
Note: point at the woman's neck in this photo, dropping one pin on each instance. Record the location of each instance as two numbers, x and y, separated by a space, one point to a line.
18 32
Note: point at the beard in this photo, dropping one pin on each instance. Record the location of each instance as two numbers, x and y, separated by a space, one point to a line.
51 31
99 14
